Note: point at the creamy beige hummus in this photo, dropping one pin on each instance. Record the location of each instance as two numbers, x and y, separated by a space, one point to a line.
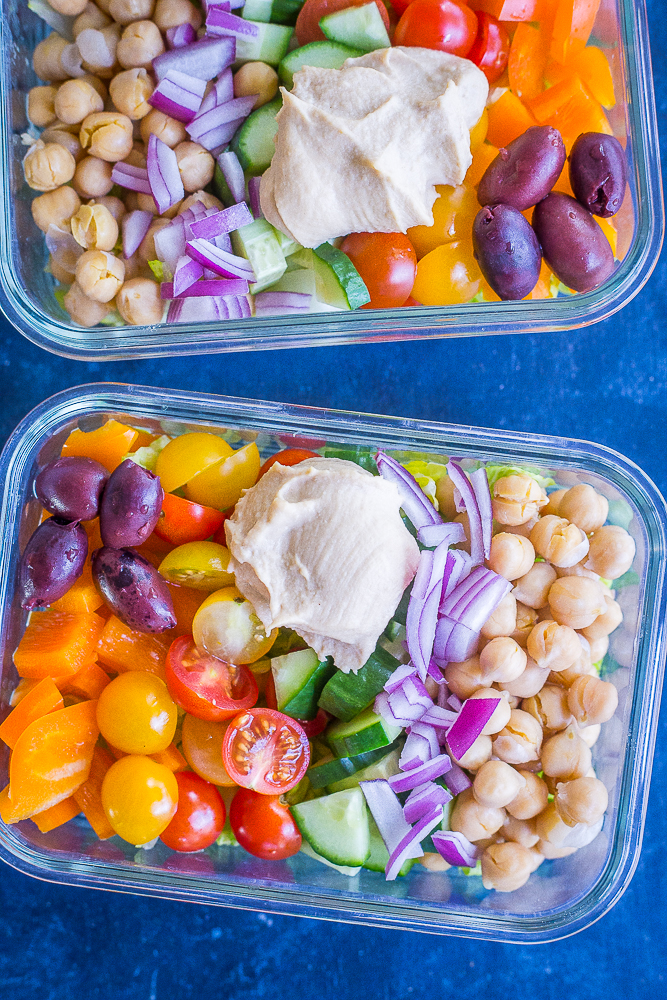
320 547
360 149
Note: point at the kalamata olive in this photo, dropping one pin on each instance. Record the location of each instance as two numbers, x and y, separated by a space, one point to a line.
573 244
71 487
506 250
51 562
133 589
598 173
525 172
131 505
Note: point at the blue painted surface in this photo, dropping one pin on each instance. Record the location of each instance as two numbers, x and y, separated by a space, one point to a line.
607 384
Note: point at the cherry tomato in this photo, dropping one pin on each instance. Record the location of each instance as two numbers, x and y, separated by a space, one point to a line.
187 455
454 211
202 748
136 714
400 6
387 264
206 686
200 565
263 825
139 798
438 24
199 817
491 48
226 625
270 692
311 727
221 484
290 456
308 22
265 750
220 537
182 521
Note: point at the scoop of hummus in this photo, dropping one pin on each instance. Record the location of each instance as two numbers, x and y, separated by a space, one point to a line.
320 547
360 149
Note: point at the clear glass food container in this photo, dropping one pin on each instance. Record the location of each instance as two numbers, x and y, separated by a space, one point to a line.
562 896
26 290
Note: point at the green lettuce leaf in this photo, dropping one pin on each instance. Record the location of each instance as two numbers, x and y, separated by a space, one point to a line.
496 472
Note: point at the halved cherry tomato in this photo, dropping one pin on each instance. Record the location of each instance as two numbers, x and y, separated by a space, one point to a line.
263 825
387 264
222 483
182 521
199 817
270 692
206 686
290 456
227 626
400 6
220 537
308 22
265 750
187 455
491 48
200 565
438 24
202 748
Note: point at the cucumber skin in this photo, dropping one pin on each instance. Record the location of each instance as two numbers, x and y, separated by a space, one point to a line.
347 740
304 703
345 695
291 63
330 771
382 768
308 817
351 281
258 121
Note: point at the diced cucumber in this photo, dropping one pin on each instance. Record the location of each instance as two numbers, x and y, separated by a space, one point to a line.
395 630
221 187
328 55
343 869
296 281
379 856
360 27
328 772
299 678
339 283
287 244
257 242
253 142
345 695
257 10
286 11
336 826
269 45
383 768
367 731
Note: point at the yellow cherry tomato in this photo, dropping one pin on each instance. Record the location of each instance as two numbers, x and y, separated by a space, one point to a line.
139 798
453 214
448 275
199 565
221 484
478 132
187 455
202 748
226 626
136 713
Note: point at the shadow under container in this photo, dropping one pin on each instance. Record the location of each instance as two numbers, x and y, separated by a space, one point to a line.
562 896
27 290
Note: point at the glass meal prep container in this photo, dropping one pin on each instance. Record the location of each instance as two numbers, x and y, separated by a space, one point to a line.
562 896
26 290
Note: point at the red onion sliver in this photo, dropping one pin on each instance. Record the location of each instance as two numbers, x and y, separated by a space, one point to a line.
456 849
402 671
219 22
456 779
428 733
401 707
460 642
187 272
213 287
387 812
480 485
429 771
204 310
230 111
225 221
170 243
416 751
470 722
451 532
462 484
459 565
226 264
132 178
441 718
221 92
182 34
404 849
415 692
382 708
454 703
418 508
435 673
253 195
232 171
443 695
163 174
134 226
63 247
204 59
299 301
179 95
424 799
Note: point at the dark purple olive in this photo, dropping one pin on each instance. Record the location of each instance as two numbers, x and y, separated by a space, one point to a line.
506 250
525 172
133 589
598 173
573 244
131 505
71 488
52 561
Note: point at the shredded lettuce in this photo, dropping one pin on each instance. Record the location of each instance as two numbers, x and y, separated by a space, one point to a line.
146 457
629 579
227 838
556 287
59 295
477 870
496 472
113 318
620 513
157 267
427 475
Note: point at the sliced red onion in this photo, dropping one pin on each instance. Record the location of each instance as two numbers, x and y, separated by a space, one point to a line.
454 642
223 242
204 59
418 508
429 771
454 703
253 195
382 708
441 718
415 692
435 673
212 134
387 812
480 485
135 225
455 849
182 34
404 849
399 675
416 751
132 178
443 695
170 243
424 799
426 732
282 301
63 247
456 779
225 221
232 171
187 272
459 565
401 707
470 722
215 287
450 532
459 599
221 92
164 176
178 95
197 310
422 615
462 484
244 305
219 22
226 264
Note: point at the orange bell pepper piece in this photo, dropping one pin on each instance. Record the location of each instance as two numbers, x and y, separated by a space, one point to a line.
88 796
609 229
143 439
571 109
51 759
572 27
171 758
107 445
43 698
186 604
120 649
57 815
592 65
81 597
508 119
481 159
563 183
542 289
56 644
527 60
89 682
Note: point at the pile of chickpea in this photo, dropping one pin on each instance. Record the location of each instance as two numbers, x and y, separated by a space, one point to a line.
94 111
534 793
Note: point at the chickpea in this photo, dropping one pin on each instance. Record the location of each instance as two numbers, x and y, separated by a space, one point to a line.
146 203
502 660
591 700
75 100
103 5
550 852
171 13
533 588
139 302
46 59
564 678
83 310
136 268
525 620
477 754
107 135
558 541
100 274
502 621
207 200
92 178
520 740
47 167
474 821
256 78
585 507
521 831
113 204
195 164
549 706
566 756
598 648
56 207
511 556
98 49
130 91
65 139
465 678
137 155
523 530
41 110
95 82
169 130
611 553
140 43
531 798
528 683
91 17
553 645
506 867
70 8
553 502
60 273
94 228
434 862
590 734
146 249
576 601
551 827
583 800
496 784
127 11
516 498
605 623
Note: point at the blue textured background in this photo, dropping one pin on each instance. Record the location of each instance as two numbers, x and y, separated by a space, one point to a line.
607 384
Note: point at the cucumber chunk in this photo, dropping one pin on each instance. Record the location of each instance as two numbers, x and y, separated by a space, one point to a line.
302 281
339 281
328 772
336 826
345 695
360 27
254 143
343 869
328 55
367 731
378 859
269 45
299 678
383 768
257 242
285 11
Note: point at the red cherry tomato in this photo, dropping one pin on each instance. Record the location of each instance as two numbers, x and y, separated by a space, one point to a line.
438 24
205 686
290 456
400 6
265 750
263 825
270 692
387 264
199 817
491 48
308 22
182 521
220 537
313 727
